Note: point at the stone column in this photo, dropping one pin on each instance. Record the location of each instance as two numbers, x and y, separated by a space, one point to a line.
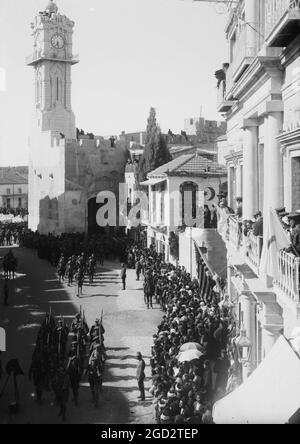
248 307
250 178
273 163
251 17
270 334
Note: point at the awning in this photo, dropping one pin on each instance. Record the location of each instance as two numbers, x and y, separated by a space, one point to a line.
271 395
150 182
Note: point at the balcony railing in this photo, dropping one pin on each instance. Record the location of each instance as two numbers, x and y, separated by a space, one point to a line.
253 249
276 10
235 232
223 104
288 279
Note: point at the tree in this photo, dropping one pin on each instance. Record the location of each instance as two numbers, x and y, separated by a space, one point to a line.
156 152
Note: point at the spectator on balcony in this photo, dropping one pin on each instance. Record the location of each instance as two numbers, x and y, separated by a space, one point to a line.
248 226
258 227
294 219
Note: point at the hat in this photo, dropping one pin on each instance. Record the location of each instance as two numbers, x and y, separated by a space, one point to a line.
139 354
294 216
280 210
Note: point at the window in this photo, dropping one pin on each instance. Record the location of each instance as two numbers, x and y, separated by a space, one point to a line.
20 190
20 202
191 121
7 190
189 192
8 203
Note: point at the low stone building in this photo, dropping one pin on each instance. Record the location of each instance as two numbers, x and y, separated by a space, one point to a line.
14 188
188 182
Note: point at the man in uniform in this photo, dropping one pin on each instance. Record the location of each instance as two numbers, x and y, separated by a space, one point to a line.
123 275
140 375
80 281
138 269
60 339
36 373
94 373
75 371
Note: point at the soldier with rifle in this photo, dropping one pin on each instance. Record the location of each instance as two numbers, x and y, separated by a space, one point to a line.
94 372
74 369
60 339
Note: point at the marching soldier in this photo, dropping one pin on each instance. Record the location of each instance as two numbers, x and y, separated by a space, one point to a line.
60 339
61 268
75 371
80 282
97 329
94 373
61 384
36 373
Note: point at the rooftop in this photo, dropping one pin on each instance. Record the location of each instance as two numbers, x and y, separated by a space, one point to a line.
13 176
190 165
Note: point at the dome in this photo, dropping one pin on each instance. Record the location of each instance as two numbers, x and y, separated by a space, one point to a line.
51 7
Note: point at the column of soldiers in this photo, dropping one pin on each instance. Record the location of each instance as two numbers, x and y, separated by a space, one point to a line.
56 369
77 267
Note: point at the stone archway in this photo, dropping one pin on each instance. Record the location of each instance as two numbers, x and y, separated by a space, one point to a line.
93 207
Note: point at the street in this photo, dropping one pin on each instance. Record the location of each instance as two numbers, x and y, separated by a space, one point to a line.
129 328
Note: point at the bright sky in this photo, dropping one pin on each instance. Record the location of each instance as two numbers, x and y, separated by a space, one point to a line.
134 54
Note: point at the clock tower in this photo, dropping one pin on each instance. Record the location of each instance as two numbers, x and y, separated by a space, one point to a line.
52 60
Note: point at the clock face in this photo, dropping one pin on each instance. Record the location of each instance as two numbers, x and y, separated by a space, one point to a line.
57 41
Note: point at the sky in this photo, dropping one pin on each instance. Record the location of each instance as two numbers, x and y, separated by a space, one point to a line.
134 54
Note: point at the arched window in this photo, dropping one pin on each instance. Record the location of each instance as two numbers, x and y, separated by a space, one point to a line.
57 89
188 193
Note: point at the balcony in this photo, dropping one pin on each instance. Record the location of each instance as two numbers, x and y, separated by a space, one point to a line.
253 249
282 22
243 53
249 246
223 105
288 279
37 57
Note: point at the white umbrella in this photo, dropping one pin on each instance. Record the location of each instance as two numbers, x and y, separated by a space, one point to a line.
189 355
190 346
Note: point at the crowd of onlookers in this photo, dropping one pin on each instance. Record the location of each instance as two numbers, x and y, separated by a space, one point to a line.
289 221
195 314
14 211
10 233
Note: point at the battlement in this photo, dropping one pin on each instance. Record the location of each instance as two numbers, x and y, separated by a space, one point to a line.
45 20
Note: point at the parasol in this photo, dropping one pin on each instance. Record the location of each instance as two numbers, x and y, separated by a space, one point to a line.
189 355
190 346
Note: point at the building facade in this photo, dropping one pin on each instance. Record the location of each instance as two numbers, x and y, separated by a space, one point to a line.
67 169
260 99
198 177
13 189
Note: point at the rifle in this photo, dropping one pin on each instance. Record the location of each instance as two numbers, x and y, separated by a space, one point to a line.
50 315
